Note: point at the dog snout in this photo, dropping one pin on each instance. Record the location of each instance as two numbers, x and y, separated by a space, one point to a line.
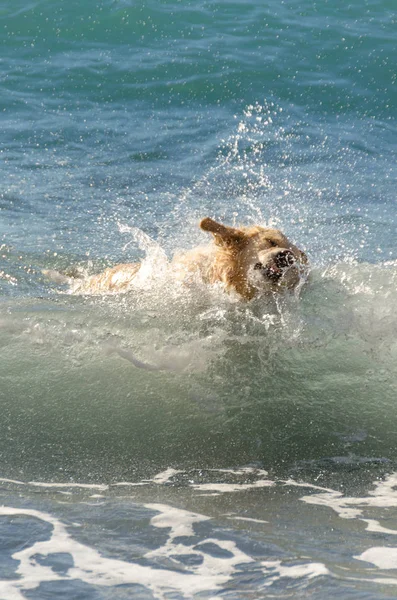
284 259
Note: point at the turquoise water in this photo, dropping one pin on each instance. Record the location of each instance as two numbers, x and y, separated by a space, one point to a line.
256 455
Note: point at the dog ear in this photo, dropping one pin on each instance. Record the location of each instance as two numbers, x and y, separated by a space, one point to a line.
222 233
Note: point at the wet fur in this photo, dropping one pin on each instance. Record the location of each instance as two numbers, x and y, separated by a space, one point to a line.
231 260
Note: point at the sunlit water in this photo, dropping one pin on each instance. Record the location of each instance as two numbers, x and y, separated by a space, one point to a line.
174 442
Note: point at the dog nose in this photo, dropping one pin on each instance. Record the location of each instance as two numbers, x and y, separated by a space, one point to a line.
284 259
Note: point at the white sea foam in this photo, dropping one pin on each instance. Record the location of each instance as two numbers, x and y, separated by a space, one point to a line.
85 486
383 557
246 519
209 571
210 574
231 487
383 496
308 570
49 485
165 476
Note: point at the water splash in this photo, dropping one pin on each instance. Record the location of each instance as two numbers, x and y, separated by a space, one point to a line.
155 262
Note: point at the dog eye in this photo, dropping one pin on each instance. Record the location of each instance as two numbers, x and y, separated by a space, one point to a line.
258 266
272 243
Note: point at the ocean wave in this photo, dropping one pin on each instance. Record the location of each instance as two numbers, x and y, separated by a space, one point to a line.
182 376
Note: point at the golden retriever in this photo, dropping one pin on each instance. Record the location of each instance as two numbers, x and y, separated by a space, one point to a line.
246 260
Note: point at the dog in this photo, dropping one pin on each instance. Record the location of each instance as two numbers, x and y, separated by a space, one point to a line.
247 261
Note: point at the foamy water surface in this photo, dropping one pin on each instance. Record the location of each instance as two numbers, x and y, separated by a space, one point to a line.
174 442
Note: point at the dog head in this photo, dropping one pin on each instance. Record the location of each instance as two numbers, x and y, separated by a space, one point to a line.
255 259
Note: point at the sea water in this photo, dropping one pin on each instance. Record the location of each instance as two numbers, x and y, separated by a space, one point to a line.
174 442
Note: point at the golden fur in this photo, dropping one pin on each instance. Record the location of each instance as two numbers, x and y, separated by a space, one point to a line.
247 260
